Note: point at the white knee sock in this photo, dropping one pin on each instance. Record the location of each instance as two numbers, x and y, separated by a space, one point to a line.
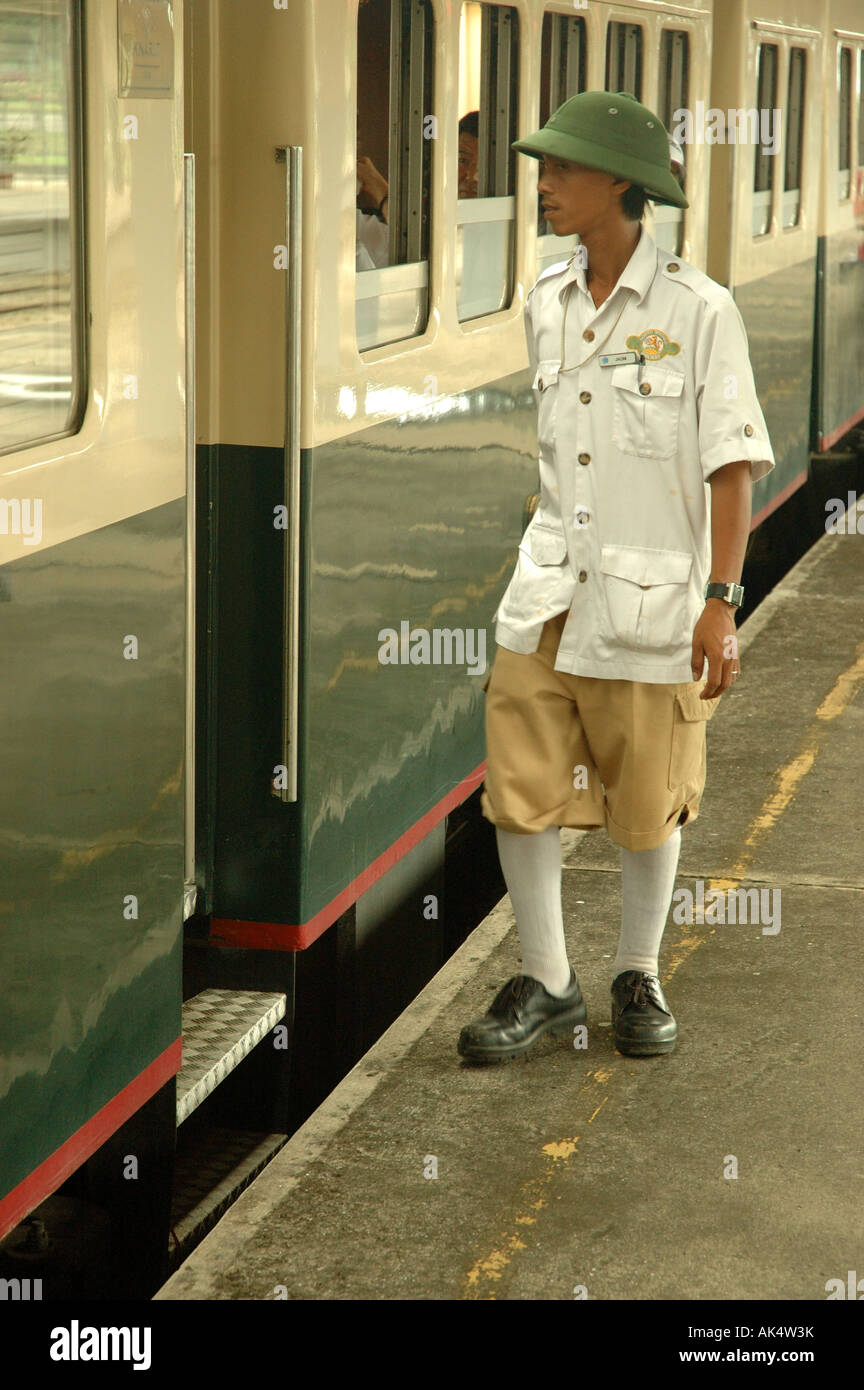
531 865
647 880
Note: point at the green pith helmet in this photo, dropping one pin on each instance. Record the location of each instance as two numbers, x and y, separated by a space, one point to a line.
615 133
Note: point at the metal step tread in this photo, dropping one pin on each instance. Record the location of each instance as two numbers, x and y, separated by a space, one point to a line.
220 1028
209 1174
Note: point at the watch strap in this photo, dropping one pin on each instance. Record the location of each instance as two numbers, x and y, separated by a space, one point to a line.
730 593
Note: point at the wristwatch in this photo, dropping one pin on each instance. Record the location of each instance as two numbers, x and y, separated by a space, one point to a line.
730 593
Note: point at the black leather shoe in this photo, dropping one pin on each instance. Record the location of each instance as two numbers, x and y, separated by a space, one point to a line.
642 1019
519 1014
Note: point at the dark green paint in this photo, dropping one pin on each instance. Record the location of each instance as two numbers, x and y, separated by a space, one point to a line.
840 352
91 747
414 519
778 313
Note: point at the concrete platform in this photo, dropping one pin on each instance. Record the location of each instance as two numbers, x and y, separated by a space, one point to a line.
573 1173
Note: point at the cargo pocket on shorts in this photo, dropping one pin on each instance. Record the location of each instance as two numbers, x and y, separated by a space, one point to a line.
687 753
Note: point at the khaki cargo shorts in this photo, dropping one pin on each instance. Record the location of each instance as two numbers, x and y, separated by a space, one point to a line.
581 752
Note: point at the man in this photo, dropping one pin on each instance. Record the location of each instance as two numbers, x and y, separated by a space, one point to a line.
469 144
373 233
627 577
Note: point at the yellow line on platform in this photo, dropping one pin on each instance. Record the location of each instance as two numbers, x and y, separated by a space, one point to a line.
488 1269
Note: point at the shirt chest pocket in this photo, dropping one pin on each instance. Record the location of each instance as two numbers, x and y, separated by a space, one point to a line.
546 397
646 410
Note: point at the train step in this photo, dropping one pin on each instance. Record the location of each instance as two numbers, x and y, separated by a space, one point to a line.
210 1173
220 1028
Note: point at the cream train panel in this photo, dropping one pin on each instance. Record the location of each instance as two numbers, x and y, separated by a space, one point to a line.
267 77
736 256
128 455
843 28
695 20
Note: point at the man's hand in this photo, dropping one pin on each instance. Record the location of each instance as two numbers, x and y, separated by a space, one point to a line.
373 183
714 638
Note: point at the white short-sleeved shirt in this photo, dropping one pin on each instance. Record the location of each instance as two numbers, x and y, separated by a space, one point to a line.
373 242
621 536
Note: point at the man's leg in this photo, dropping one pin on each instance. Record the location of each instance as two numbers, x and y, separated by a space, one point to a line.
534 743
531 865
647 881
648 742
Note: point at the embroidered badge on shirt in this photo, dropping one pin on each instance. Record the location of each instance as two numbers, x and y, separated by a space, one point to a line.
653 344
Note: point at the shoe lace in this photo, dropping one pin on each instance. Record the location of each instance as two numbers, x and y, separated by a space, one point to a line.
645 991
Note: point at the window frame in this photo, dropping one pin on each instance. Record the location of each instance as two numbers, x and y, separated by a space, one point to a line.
844 128
79 297
496 159
561 30
669 102
764 165
794 147
409 177
637 31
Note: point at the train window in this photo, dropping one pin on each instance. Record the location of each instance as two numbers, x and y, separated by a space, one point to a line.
794 138
765 159
41 322
486 210
562 61
844 117
395 133
624 59
563 57
673 88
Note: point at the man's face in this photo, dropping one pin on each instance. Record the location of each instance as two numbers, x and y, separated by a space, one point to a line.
576 199
467 166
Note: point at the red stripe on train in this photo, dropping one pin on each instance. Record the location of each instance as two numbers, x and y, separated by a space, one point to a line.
85 1141
282 936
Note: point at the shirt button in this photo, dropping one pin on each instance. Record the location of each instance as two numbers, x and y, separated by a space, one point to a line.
673 266
583 575
584 458
645 388
748 430
584 397
581 517
588 335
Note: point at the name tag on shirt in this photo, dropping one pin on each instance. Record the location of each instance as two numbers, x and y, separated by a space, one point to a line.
621 359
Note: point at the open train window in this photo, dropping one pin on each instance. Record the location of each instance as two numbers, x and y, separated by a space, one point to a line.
486 210
765 157
794 137
624 59
844 125
41 318
674 86
395 132
563 60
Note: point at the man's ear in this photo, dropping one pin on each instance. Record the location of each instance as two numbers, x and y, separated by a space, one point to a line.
621 185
